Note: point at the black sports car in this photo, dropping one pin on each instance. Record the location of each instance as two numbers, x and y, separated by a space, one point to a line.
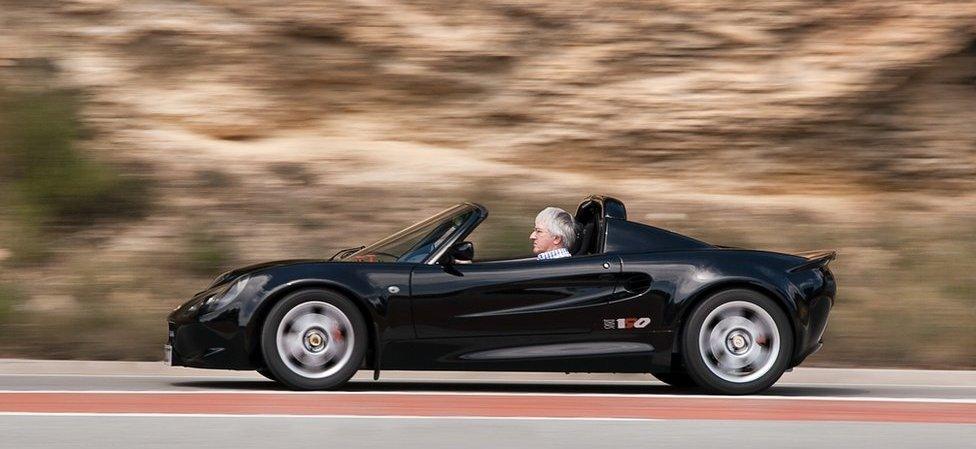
632 299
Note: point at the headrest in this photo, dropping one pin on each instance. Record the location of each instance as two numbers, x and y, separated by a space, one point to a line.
584 239
578 242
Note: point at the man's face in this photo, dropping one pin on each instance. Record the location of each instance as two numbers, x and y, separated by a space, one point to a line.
543 240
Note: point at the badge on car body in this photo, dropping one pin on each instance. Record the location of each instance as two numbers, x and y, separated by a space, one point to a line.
627 323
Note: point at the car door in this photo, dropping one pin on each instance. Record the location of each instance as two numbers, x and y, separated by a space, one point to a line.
517 297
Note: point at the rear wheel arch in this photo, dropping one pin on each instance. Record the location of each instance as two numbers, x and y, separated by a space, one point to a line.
261 315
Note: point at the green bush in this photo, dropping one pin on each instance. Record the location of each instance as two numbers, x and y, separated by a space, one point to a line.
45 181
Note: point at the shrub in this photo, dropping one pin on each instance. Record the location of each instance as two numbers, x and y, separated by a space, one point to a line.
45 181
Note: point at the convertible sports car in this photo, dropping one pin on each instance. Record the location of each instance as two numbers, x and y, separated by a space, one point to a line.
632 299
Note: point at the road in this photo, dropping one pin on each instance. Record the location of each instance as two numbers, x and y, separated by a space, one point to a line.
51 404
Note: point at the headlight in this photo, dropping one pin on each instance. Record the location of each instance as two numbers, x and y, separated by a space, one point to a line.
226 295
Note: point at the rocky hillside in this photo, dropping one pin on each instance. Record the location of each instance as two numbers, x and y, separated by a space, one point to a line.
256 130
804 87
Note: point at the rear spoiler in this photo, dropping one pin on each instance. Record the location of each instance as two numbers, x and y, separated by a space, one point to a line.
815 259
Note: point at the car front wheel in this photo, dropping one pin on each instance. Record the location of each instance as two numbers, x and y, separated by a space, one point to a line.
313 340
737 342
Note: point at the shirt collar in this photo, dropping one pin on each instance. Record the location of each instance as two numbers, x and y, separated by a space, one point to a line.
554 254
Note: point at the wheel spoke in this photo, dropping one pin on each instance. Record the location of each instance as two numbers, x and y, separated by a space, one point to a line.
716 341
735 362
721 359
295 350
756 355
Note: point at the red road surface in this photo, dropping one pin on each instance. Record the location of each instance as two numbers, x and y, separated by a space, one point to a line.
429 405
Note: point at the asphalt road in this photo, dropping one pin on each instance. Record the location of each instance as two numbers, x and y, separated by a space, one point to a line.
47 404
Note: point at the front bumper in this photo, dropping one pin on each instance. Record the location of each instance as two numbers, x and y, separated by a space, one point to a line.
167 355
196 345
203 341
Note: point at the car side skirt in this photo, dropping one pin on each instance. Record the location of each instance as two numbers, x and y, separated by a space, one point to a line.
641 353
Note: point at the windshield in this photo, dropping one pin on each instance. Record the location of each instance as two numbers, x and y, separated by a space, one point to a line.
416 243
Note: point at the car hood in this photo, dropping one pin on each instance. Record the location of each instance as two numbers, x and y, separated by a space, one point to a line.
238 272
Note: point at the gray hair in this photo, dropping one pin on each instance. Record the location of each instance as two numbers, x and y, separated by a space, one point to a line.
559 223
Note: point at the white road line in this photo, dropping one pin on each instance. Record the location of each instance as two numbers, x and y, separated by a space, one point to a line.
137 376
229 415
467 393
829 384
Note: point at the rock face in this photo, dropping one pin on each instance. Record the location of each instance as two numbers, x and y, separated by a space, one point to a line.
876 91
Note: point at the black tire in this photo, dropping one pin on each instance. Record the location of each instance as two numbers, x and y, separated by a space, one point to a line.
707 371
266 373
293 373
676 379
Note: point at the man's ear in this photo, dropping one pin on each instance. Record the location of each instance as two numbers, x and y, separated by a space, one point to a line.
557 240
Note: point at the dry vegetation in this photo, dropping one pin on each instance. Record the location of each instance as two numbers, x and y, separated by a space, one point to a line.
147 145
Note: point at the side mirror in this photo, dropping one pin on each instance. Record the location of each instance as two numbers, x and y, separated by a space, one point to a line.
461 252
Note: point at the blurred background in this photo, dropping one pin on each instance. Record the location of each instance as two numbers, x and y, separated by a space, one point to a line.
146 146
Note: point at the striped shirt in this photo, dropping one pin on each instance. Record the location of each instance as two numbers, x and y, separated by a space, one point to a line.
554 254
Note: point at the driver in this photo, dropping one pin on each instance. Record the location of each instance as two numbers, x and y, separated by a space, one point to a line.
554 233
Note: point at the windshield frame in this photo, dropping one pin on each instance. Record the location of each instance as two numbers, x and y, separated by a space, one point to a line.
463 230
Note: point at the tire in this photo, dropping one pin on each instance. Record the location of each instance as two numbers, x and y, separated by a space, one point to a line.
737 342
676 379
266 373
314 340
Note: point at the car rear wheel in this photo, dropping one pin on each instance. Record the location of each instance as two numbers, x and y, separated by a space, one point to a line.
313 340
737 342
